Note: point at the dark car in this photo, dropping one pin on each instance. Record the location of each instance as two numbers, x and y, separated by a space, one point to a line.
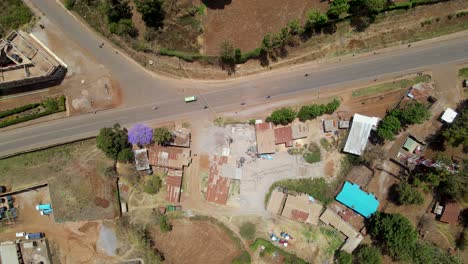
17 58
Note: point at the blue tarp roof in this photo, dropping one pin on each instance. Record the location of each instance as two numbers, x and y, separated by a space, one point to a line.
353 197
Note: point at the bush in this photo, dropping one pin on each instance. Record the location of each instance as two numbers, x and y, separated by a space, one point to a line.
412 113
389 127
112 141
282 116
338 8
407 195
152 185
309 112
152 12
69 4
18 110
14 15
162 136
164 224
368 255
395 233
123 28
117 10
313 155
315 19
344 257
125 155
247 230
51 104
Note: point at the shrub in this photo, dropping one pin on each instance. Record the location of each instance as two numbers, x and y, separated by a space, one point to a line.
69 4
309 112
18 110
117 10
247 230
282 116
162 136
51 104
316 187
368 255
15 15
152 12
243 258
152 185
343 257
315 19
412 113
406 195
389 127
338 8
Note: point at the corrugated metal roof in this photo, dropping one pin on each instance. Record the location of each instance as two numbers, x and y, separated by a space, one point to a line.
9 253
359 133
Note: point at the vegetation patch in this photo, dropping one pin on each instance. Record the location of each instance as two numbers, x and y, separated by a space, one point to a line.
391 86
13 15
334 239
270 249
317 188
312 155
463 72
32 111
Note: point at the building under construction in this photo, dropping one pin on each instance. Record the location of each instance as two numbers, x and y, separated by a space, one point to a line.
26 64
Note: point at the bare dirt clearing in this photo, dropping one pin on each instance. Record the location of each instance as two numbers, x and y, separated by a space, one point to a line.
245 22
75 172
195 242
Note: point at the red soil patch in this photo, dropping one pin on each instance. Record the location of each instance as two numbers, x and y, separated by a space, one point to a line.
329 168
98 201
245 22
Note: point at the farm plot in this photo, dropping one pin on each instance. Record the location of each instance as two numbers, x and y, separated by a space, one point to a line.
196 242
79 188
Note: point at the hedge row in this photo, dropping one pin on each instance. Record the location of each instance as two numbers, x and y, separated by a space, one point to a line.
412 3
61 108
18 110
191 57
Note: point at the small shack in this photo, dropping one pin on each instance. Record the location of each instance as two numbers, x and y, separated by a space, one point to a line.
451 213
449 116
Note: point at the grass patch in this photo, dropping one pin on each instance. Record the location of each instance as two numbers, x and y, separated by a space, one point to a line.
234 188
243 258
463 72
313 154
317 188
333 238
326 144
221 121
13 15
391 86
270 248
444 230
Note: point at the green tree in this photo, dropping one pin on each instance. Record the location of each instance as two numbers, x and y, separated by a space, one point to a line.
455 186
117 10
367 7
152 185
227 53
126 155
112 141
423 252
267 43
343 257
395 233
123 28
368 255
332 106
389 127
152 12
238 55
282 116
162 136
315 19
406 194
412 113
247 230
295 27
338 8
457 133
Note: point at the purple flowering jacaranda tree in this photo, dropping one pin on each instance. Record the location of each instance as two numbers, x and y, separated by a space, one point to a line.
140 135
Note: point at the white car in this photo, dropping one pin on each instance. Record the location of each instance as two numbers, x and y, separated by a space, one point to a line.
20 234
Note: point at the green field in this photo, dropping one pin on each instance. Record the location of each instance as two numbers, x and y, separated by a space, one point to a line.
463 72
391 86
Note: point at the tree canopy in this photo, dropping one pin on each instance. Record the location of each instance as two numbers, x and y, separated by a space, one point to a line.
112 141
338 8
457 133
412 113
368 255
282 116
395 233
152 185
140 134
406 194
315 19
309 112
162 136
247 230
117 10
389 127
152 12
343 257
368 7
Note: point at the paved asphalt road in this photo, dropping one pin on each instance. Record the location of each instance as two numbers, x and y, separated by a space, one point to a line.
143 90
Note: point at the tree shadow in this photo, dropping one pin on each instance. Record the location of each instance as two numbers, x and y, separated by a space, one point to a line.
216 4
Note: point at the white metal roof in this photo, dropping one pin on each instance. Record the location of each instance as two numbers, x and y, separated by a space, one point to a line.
449 115
359 133
9 253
